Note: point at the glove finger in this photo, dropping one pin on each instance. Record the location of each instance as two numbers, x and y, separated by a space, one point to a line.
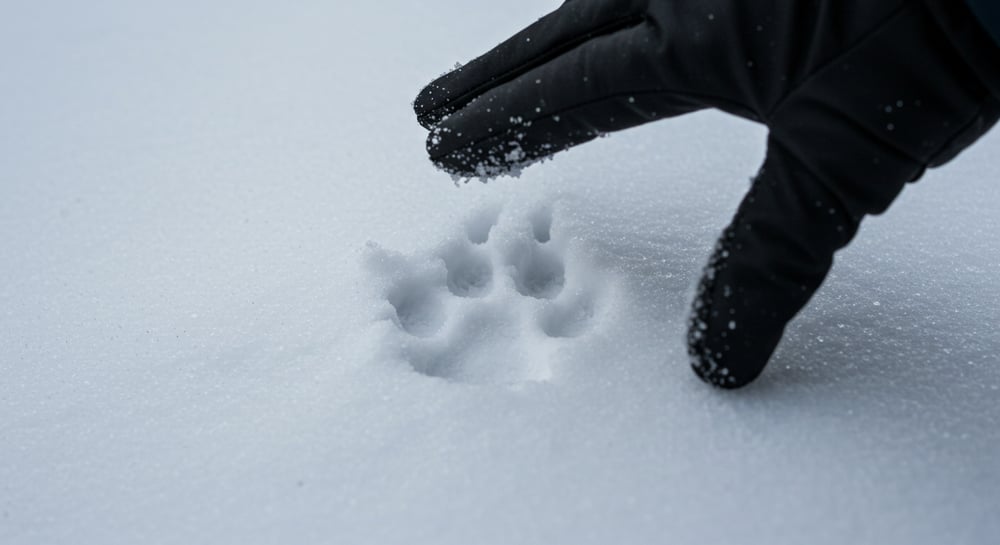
608 84
574 23
766 266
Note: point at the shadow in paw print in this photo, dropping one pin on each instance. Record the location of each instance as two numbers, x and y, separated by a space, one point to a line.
470 272
541 224
486 348
419 310
492 304
538 273
569 318
479 225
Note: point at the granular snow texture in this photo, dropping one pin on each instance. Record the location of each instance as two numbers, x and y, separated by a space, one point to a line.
240 306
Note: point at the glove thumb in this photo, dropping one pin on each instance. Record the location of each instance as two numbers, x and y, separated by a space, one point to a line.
765 267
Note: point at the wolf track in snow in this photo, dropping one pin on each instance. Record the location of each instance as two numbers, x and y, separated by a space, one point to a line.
490 304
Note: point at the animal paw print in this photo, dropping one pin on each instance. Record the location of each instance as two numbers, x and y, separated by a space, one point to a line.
491 304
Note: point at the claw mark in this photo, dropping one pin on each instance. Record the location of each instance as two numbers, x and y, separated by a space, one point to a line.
541 224
479 225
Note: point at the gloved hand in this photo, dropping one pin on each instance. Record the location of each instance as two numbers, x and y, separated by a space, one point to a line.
860 96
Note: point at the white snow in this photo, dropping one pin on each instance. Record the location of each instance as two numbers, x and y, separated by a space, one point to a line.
239 305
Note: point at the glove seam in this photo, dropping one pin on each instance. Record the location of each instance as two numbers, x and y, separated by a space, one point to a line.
700 99
816 73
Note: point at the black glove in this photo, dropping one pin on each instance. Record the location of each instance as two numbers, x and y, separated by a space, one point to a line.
860 97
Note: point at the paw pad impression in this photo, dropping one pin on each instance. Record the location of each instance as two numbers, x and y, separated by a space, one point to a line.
491 304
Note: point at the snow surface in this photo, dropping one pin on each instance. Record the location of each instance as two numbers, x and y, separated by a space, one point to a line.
240 306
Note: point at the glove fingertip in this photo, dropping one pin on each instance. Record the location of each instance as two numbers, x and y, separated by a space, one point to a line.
722 377
428 105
